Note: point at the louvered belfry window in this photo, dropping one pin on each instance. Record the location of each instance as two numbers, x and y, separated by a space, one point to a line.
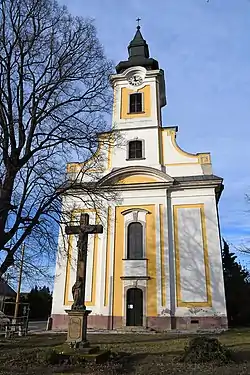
135 102
135 150
135 241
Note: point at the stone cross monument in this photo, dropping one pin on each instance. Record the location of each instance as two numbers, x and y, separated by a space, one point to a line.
77 326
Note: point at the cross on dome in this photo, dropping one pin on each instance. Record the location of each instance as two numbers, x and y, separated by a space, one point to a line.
138 20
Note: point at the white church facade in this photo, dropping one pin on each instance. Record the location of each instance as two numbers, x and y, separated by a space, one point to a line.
158 262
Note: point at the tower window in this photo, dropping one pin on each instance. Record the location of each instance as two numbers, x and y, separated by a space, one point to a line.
135 103
135 150
135 241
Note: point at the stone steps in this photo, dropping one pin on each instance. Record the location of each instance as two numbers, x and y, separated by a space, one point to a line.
124 330
144 330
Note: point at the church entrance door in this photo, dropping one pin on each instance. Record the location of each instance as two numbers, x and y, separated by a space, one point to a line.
134 307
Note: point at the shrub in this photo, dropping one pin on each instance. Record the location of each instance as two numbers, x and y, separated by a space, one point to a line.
49 356
206 349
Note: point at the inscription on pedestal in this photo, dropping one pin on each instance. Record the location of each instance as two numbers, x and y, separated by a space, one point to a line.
75 328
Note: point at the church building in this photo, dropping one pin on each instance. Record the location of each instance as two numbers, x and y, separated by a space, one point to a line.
157 264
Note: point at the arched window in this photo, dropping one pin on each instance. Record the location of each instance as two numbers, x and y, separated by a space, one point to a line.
135 241
135 150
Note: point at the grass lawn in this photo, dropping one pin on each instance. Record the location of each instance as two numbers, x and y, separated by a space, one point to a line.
135 354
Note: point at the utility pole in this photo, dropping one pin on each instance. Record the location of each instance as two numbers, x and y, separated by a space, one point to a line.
19 284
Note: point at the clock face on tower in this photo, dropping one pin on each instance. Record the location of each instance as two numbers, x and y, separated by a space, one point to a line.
135 80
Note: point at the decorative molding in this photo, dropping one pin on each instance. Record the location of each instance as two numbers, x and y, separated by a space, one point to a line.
131 210
204 158
143 148
162 248
124 110
120 173
135 277
151 293
135 215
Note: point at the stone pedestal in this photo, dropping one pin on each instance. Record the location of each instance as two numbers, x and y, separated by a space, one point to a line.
77 327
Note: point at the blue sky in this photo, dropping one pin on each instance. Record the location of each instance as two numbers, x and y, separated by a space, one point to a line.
204 49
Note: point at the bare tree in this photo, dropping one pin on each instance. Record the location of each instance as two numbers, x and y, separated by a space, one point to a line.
54 90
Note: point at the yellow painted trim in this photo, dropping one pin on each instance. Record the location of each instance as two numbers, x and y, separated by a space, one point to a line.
150 254
172 134
180 164
181 303
95 170
125 92
76 167
110 149
94 269
137 179
161 147
67 276
108 251
114 100
206 256
162 242
68 302
202 158
118 266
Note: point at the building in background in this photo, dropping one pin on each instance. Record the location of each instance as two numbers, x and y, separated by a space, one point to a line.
158 262
5 292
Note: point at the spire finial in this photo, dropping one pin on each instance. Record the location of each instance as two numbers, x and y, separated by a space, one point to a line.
138 20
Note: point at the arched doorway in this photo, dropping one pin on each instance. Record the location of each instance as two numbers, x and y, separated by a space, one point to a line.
134 307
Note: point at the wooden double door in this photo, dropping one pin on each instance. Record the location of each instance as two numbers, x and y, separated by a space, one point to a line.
134 307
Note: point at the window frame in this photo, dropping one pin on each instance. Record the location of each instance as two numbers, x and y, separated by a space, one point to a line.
143 239
135 214
143 149
142 103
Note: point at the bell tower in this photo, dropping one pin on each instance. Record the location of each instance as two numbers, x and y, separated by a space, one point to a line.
139 95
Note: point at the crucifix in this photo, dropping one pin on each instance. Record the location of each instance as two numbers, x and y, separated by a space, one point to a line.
83 230
138 20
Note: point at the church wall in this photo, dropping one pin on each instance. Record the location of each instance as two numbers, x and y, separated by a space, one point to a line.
185 169
60 274
91 281
150 145
121 120
173 154
156 242
198 266
66 272
191 256
157 296
179 162
106 292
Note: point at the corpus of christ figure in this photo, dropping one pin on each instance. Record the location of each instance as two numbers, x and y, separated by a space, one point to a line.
83 230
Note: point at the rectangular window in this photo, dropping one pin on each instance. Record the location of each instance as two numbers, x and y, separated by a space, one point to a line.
135 150
135 103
